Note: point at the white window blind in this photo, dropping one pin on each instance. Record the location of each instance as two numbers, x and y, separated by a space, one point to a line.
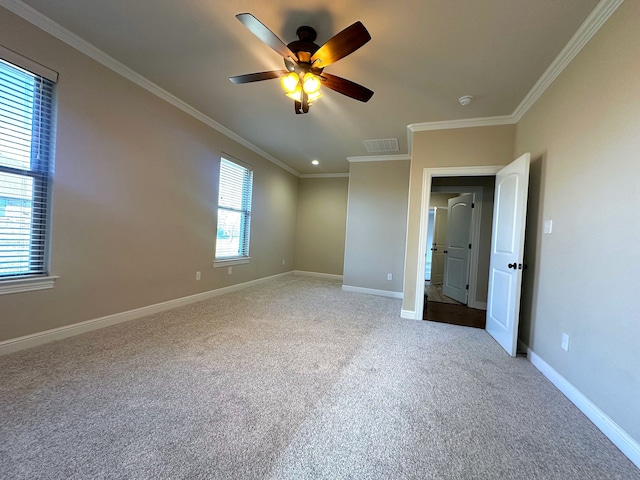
234 210
26 116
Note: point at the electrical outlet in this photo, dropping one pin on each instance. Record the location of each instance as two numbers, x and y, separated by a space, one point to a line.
548 227
389 276
283 261
198 275
565 342
230 270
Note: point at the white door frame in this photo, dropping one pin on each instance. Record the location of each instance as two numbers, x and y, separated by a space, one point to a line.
476 216
427 176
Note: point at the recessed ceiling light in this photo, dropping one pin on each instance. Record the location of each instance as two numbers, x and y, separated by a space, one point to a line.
315 162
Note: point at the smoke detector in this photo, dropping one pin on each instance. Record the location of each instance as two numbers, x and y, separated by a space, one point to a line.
465 100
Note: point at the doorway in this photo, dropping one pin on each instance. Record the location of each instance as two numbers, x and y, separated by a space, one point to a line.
429 176
507 244
443 191
457 293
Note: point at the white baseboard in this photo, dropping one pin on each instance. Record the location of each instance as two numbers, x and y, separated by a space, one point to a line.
611 429
40 338
317 274
372 291
479 305
409 315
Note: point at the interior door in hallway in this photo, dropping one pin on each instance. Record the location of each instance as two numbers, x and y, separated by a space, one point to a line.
507 252
456 270
439 245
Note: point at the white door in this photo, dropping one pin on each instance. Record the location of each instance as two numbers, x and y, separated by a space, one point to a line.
456 269
507 250
439 246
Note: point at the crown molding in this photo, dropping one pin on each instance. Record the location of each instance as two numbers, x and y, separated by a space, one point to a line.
462 123
58 31
378 158
324 175
587 30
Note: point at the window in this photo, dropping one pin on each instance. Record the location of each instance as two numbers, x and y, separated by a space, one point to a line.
234 211
26 116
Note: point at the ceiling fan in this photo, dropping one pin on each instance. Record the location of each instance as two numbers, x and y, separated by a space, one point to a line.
305 62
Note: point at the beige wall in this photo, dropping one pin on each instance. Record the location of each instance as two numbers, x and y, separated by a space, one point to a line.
584 137
460 147
134 198
322 223
440 200
377 223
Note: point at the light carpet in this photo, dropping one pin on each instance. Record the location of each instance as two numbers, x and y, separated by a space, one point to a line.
290 379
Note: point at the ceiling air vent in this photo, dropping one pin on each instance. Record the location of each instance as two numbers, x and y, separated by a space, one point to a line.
382 145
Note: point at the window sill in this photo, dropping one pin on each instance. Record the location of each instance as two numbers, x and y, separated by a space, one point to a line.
29 284
231 262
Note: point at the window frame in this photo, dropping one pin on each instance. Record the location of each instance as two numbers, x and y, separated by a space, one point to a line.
246 197
42 177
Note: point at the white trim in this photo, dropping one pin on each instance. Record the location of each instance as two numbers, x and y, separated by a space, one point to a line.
409 315
471 171
31 284
324 175
462 123
588 29
372 291
231 262
480 305
379 158
44 23
317 274
611 429
427 175
40 338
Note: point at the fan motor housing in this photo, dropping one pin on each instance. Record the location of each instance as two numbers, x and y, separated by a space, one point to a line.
304 47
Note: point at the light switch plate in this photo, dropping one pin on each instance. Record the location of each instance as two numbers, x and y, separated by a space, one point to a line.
548 226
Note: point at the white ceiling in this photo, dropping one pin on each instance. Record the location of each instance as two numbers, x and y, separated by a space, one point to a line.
424 55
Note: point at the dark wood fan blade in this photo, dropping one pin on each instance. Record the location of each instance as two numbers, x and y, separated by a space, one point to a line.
267 36
257 77
342 44
346 87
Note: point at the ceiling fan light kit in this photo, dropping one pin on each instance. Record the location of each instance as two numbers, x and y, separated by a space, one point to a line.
305 62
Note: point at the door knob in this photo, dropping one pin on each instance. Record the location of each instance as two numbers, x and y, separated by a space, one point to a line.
445 251
513 265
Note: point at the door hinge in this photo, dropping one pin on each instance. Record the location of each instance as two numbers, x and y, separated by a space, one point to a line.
473 205
469 246
467 286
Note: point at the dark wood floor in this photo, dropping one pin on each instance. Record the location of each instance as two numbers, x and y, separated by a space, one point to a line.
454 314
